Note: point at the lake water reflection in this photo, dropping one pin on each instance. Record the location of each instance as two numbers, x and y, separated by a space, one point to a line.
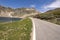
7 19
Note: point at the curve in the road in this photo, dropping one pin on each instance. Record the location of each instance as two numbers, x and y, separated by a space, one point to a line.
46 30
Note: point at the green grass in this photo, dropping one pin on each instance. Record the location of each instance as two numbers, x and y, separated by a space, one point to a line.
19 30
50 17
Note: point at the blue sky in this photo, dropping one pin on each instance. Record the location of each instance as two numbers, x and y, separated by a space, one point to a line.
41 5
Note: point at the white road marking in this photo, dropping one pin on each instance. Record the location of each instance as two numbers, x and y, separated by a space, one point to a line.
34 34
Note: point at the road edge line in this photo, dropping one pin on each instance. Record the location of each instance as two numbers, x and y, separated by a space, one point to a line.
34 34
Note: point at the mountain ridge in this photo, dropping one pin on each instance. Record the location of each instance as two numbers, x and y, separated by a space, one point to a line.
18 12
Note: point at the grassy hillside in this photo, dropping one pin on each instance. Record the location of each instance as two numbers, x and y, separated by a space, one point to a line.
51 16
19 30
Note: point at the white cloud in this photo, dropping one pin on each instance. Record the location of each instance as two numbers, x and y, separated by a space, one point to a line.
32 5
55 4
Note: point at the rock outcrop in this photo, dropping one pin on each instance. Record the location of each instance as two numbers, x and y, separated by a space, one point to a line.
18 12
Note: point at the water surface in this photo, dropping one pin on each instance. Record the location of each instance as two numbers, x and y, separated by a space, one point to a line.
7 19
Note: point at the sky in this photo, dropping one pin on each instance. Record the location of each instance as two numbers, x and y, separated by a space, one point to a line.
40 5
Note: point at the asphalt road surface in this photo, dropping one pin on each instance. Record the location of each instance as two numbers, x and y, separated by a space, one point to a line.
45 30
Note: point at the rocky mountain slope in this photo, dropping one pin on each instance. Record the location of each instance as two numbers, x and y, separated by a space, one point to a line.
18 12
5 11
